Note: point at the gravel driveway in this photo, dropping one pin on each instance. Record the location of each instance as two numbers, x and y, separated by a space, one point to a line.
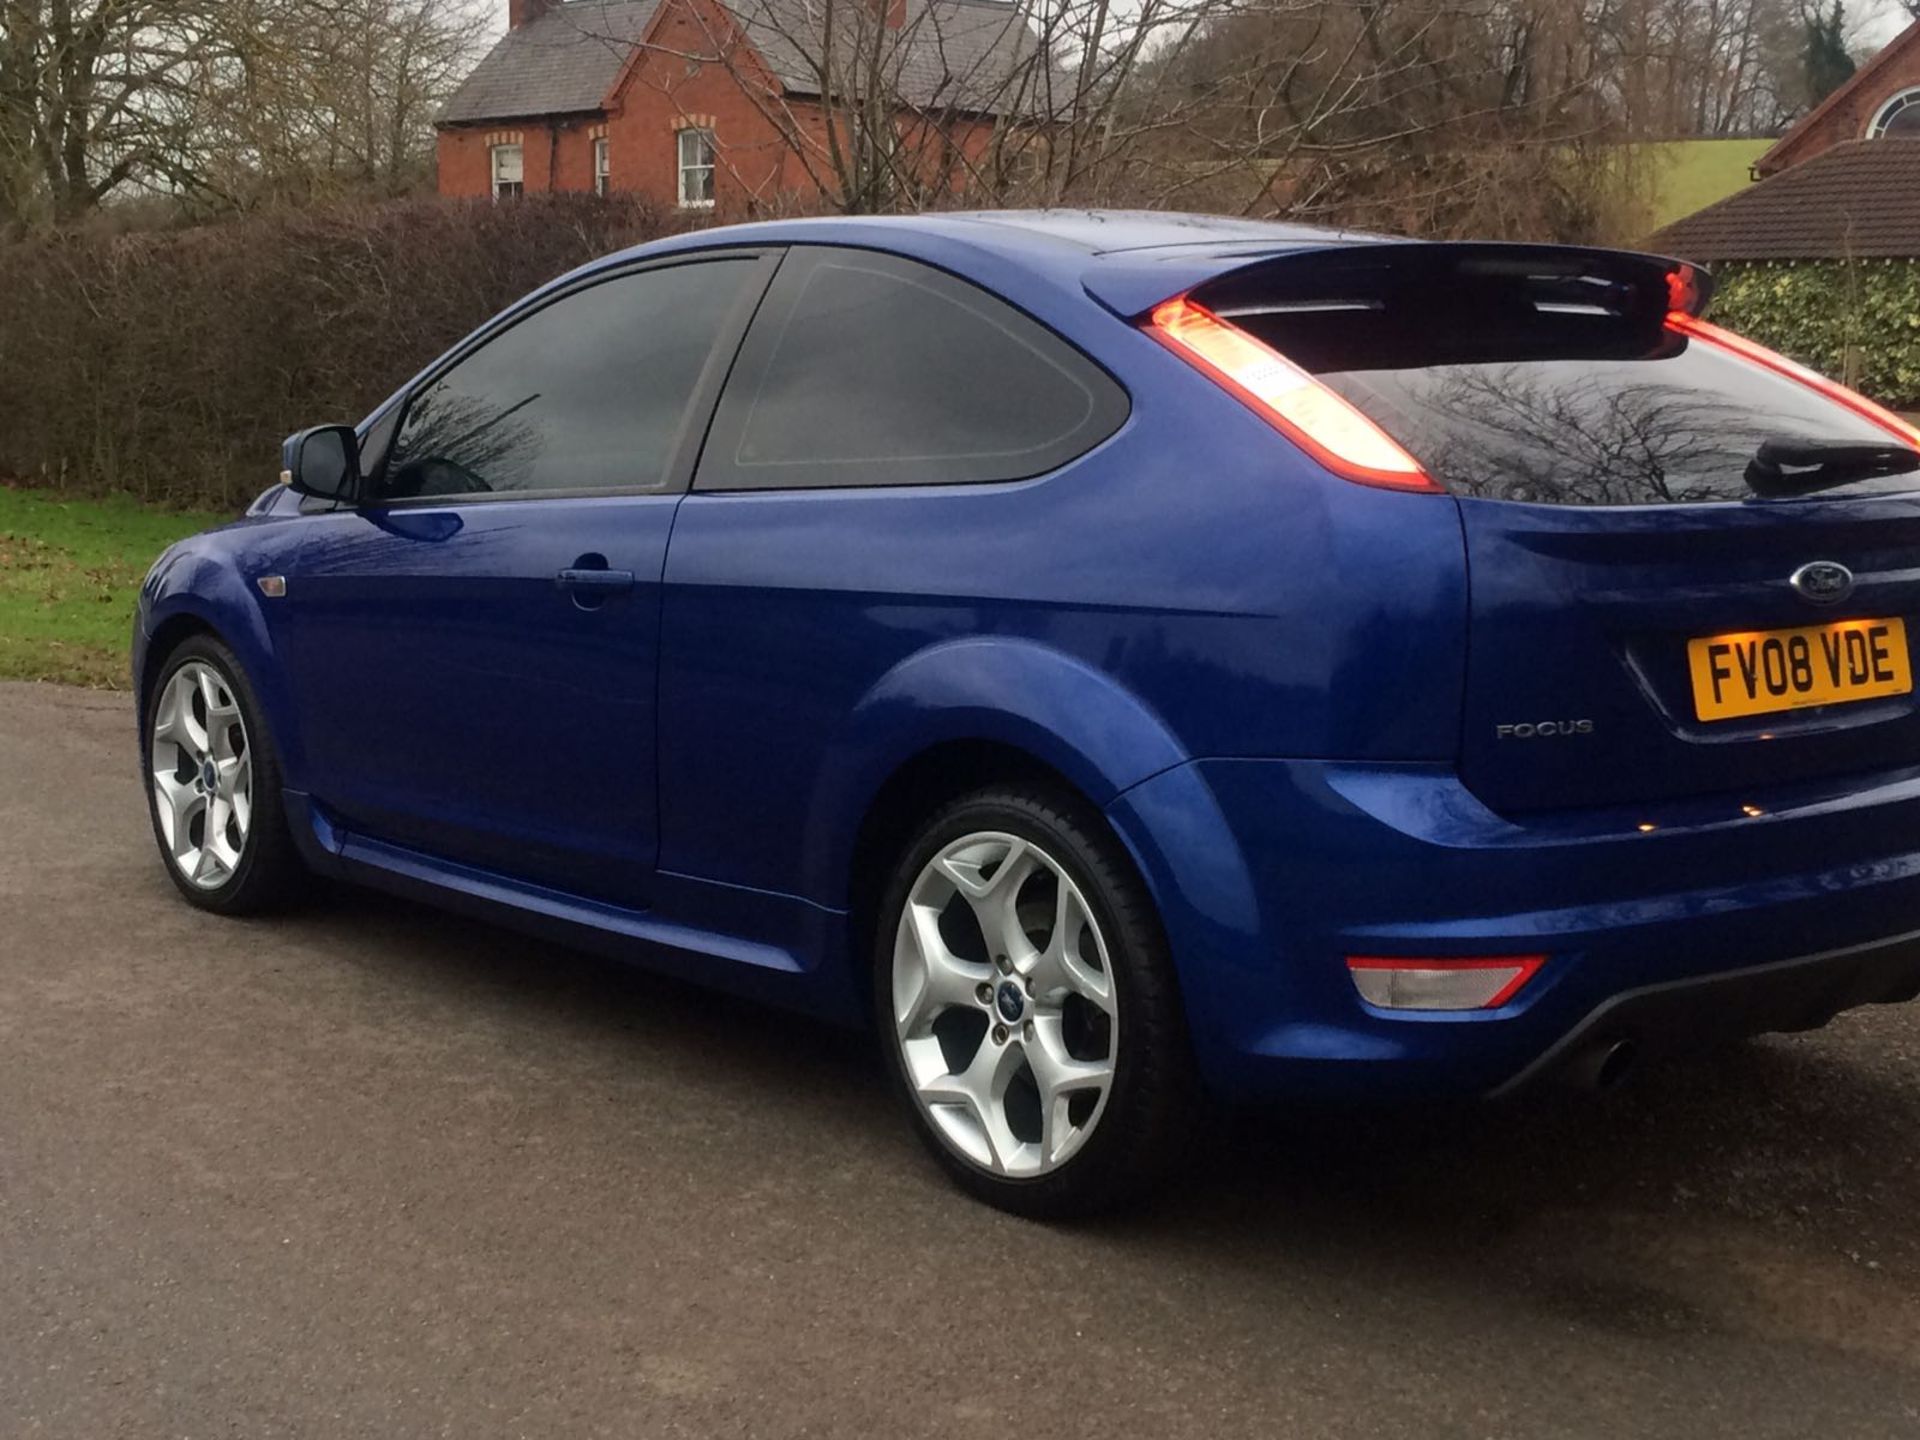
368 1170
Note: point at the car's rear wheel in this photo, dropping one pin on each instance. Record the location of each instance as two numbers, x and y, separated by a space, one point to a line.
1028 1007
213 783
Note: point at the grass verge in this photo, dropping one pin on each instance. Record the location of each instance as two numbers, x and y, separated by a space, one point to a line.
1692 174
70 572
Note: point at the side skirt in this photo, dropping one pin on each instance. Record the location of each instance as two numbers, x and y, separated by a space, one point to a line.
778 949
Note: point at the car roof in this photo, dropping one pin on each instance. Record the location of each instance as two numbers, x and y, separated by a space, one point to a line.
1123 258
1107 232
1090 232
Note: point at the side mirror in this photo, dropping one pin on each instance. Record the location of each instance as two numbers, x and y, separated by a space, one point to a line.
323 461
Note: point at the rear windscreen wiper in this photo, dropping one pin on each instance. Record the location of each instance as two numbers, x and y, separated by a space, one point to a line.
1790 466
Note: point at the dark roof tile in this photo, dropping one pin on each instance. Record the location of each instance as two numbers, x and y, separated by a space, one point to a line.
958 54
1859 199
563 62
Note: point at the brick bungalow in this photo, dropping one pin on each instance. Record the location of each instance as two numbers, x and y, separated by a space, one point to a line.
1880 101
695 102
1859 200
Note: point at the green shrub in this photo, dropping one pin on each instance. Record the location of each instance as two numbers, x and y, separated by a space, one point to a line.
170 364
1857 320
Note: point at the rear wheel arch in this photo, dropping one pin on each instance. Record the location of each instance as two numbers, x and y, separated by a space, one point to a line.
928 782
912 794
988 709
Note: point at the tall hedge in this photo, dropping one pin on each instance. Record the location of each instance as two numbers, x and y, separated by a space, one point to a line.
1851 319
170 364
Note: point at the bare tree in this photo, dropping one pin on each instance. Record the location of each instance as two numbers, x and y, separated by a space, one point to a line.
96 93
335 95
218 100
1416 113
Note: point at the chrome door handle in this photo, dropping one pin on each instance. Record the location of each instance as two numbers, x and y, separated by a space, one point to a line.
602 581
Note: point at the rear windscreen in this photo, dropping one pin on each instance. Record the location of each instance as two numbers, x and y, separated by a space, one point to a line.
1538 376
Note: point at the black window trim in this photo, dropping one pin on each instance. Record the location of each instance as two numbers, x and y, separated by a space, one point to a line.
778 303
762 262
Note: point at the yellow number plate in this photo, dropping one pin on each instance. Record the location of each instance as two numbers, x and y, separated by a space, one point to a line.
1759 671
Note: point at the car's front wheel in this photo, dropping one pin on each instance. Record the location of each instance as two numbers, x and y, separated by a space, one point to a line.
1028 1007
213 783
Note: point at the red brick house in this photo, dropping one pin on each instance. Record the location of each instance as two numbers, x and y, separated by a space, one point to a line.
693 102
1880 101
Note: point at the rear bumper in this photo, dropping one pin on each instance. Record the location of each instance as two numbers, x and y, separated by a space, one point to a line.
1714 923
1695 1014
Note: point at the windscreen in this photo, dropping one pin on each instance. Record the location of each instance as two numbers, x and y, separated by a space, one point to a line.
1543 376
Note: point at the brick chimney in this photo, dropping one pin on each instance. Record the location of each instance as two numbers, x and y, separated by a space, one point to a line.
525 12
893 13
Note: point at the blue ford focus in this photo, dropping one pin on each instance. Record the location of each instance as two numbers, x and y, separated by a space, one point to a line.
1129 660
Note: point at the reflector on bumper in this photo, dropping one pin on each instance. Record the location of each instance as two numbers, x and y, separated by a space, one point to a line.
1429 984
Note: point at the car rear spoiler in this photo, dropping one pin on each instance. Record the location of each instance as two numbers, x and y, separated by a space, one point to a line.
1131 282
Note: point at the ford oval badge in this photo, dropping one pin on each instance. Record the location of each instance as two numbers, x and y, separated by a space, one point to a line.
1823 582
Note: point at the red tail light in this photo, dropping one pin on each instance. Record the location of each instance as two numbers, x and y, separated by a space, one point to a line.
1695 328
1314 417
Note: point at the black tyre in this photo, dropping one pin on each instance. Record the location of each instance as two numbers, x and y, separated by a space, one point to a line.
213 784
1028 1009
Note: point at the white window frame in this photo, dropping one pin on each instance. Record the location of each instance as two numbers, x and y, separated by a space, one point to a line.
497 157
687 168
602 166
1905 99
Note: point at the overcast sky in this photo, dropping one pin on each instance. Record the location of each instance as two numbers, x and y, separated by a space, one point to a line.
1879 21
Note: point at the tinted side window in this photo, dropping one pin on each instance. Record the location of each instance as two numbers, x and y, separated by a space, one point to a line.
866 369
586 393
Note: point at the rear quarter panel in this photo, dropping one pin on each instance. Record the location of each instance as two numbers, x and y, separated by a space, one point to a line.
1191 587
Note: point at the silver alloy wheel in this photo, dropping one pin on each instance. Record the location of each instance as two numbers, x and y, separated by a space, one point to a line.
202 772
1004 1005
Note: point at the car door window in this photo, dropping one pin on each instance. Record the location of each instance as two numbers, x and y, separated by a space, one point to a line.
866 369
584 395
